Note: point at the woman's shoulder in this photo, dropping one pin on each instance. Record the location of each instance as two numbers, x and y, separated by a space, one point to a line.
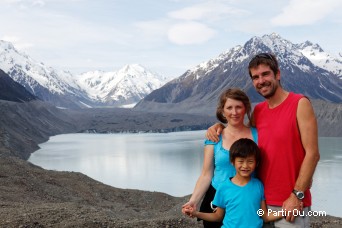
209 142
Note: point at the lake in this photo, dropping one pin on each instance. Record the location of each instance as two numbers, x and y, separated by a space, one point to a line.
168 162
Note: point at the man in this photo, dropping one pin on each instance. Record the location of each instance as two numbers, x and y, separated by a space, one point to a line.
288 139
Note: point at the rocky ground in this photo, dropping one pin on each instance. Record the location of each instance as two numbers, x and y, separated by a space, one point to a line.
33 197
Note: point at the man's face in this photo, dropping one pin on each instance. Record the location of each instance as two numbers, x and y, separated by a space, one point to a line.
264 80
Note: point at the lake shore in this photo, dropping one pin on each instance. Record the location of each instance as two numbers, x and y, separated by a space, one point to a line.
34 197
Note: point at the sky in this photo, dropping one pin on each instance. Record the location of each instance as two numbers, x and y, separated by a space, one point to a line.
167 37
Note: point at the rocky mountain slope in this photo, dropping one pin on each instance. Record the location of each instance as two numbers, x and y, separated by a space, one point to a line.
24 125
13 91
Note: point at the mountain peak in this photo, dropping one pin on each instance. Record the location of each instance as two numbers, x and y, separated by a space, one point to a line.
132 69
120 88
6 45
273 43
273 36
309 44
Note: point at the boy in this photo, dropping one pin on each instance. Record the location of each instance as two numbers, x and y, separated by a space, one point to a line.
240 198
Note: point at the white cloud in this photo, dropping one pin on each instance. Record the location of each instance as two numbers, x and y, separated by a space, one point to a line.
152 31
197 24
38 3
305 12
211 10
190 33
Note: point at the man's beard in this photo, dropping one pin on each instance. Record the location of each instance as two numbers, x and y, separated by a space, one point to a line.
269 94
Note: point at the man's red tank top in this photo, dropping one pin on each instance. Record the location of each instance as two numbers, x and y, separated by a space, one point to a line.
282 152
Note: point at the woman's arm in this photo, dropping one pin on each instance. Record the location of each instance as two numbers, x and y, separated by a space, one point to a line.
204 180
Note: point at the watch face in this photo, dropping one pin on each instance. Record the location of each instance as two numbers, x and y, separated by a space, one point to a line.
300 195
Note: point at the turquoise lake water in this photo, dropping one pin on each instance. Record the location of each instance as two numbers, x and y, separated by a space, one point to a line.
169 162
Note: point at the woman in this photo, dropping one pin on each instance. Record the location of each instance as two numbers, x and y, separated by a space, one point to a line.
231 109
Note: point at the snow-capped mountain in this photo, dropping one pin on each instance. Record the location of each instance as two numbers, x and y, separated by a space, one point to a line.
322 59
92 89
57 87
197 89
125 87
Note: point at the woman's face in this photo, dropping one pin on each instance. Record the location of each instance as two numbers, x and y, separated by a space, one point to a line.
234 111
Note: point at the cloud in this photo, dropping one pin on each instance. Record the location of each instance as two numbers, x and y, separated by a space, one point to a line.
197 24
305 12
211 10
190 33
152 31
38 3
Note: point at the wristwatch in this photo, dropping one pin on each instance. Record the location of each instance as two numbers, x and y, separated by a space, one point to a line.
298 194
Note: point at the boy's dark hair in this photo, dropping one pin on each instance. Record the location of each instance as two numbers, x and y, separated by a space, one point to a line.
244 148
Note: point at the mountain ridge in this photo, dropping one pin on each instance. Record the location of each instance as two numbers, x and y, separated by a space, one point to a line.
64 89
198 88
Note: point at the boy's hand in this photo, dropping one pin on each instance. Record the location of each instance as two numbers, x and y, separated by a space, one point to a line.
188 210
192 212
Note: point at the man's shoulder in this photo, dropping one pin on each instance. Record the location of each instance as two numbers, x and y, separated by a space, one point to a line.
297 95
260 105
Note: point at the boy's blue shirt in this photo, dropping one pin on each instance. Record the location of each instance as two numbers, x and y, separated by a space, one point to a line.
241 203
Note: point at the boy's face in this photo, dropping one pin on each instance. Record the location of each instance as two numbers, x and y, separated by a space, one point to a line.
245 166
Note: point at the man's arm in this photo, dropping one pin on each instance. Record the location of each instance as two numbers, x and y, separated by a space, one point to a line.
214 131
307 125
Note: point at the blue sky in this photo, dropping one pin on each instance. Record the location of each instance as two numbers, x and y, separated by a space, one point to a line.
165 36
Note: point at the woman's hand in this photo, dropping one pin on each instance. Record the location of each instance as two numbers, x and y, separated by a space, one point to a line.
188 208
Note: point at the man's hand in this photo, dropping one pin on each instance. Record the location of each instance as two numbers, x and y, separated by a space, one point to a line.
214 131
290 205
